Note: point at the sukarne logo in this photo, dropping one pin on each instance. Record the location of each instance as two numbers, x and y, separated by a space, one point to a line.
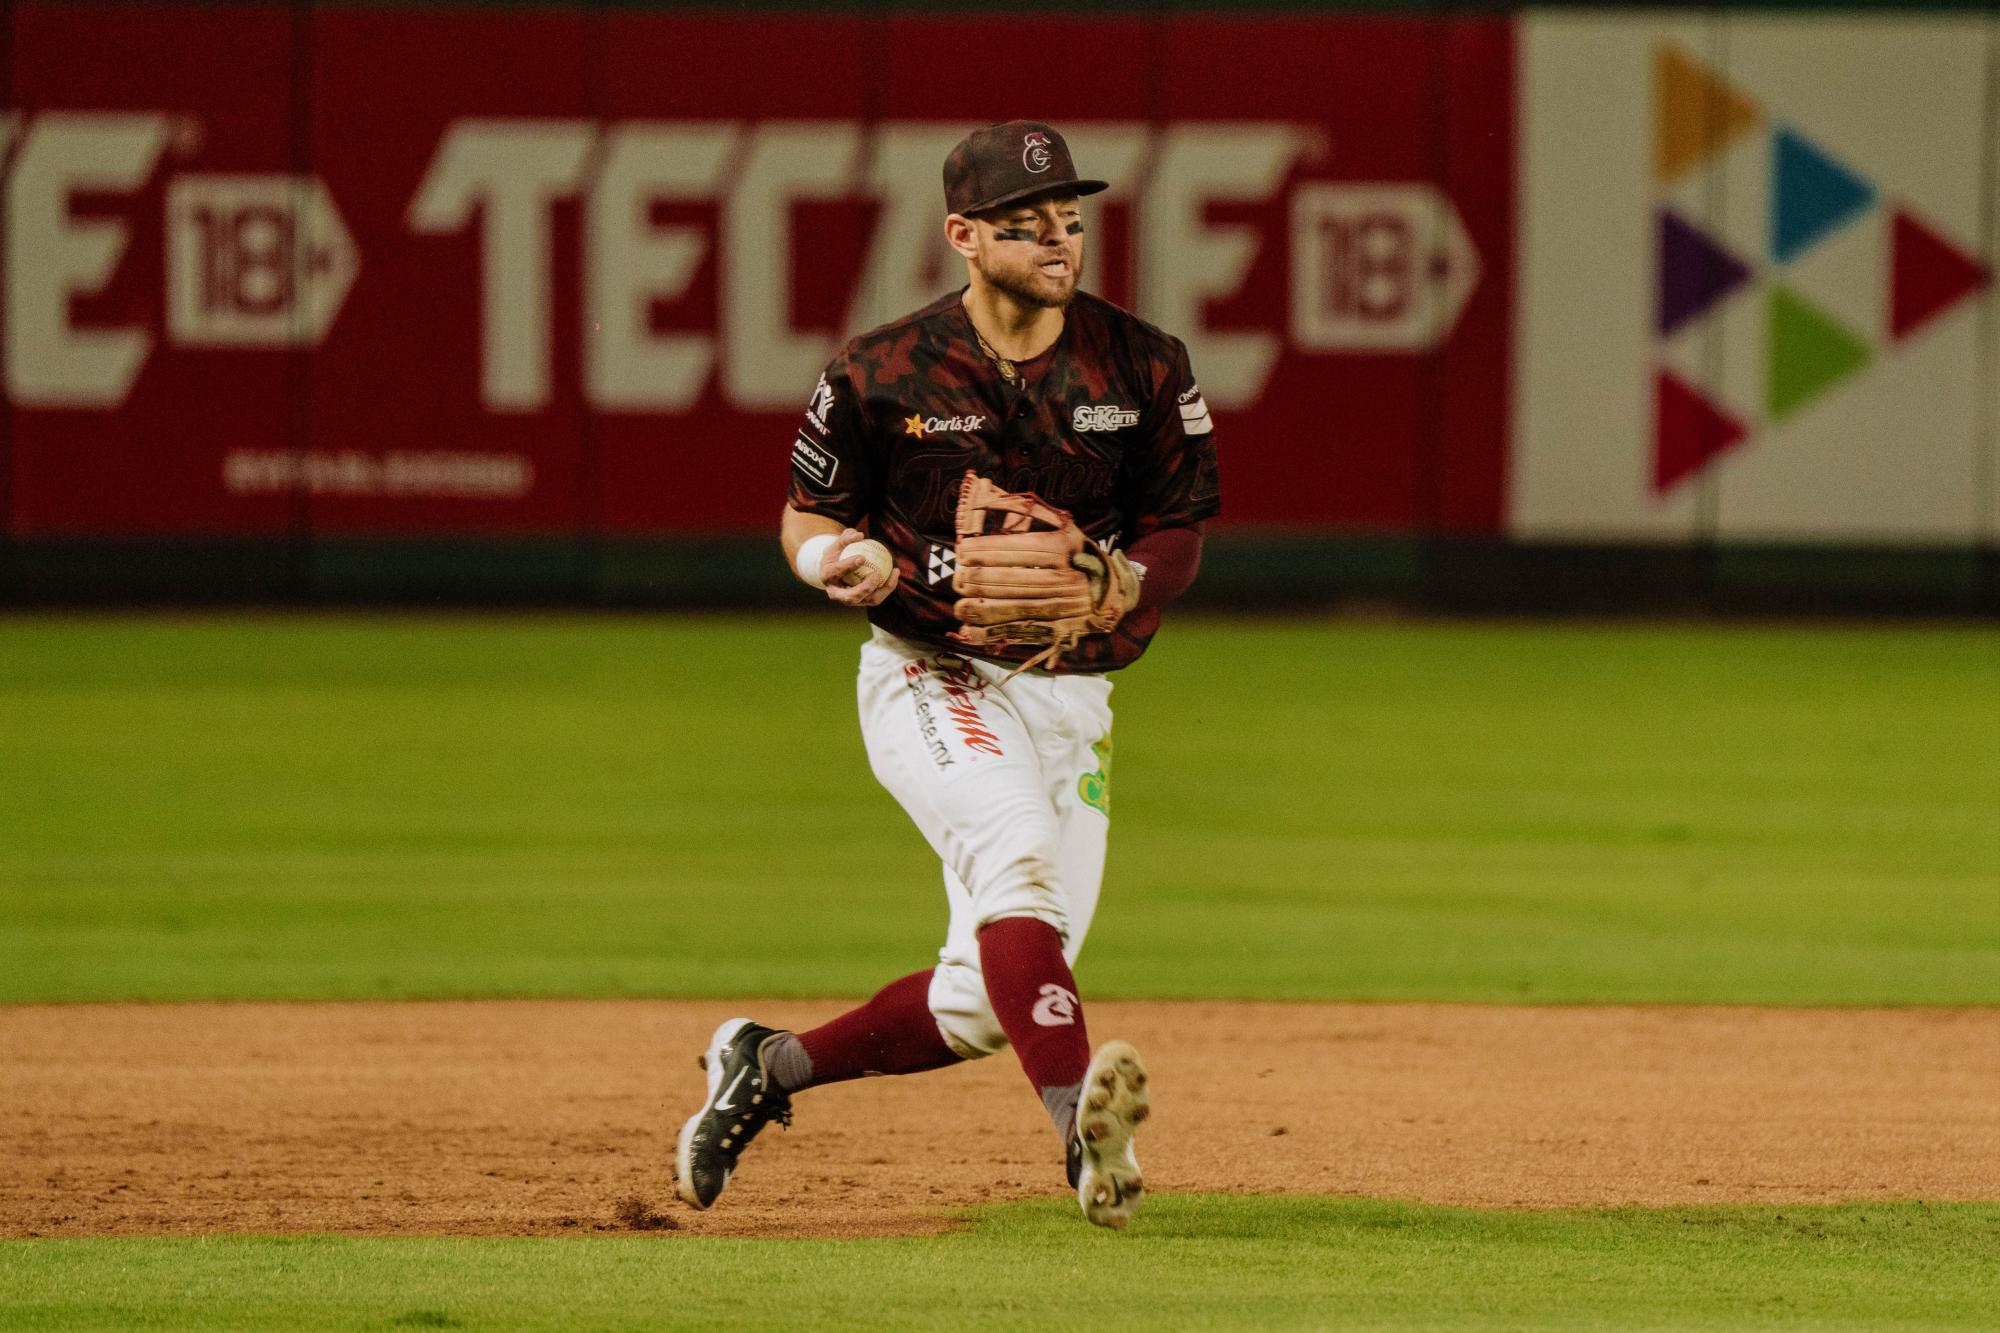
1103 417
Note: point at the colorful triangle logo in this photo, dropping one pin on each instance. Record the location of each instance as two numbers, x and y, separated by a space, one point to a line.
1808 353
1695 114
1695 272
1688 431
1927 275
1813 194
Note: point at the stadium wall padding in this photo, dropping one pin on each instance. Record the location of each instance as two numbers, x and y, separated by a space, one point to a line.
1561 308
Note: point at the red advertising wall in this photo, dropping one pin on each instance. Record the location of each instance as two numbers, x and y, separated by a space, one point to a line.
381 271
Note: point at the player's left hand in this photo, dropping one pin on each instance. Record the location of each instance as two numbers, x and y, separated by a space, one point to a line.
1027 574
835 567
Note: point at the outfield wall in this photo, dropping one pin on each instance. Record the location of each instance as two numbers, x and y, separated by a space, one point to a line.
1555 308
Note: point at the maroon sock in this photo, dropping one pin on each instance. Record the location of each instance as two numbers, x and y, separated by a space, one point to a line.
1034 997
894 1033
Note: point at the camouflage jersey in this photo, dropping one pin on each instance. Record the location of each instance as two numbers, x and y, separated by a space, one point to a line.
1107 424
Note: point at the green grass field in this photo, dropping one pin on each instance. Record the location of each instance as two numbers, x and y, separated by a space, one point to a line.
379 807
1299 1263
383 807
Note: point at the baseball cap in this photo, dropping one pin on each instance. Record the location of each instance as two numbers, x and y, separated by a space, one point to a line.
1005 163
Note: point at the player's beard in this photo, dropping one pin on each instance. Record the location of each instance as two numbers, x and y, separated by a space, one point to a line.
1034 288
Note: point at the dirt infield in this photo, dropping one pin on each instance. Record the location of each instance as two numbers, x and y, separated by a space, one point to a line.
528 1118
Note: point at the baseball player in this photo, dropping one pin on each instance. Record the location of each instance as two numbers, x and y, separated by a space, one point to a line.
1038 464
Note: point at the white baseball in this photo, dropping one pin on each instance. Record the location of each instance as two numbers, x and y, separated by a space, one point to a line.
875 559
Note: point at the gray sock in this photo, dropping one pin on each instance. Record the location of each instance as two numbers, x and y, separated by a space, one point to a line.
786 1061
1061 1105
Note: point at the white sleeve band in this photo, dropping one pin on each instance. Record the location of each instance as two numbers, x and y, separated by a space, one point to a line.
811 551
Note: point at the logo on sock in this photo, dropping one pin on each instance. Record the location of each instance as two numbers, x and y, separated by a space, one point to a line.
1056 1008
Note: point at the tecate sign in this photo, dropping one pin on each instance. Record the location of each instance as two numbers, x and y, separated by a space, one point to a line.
267 260
542 270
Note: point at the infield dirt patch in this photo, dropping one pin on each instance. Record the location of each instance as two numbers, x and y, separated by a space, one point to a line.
553 1118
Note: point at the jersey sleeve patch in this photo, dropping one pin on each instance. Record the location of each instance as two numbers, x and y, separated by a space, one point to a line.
1194 412
813 464
820 409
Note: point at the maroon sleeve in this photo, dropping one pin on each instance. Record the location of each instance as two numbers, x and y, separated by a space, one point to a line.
1175 480
832 473
1172 557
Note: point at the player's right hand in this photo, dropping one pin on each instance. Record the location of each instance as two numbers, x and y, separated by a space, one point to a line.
835 567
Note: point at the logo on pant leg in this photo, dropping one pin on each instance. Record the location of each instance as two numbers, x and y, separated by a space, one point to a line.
1095 787
1056 1008
963 691
960 690
913 681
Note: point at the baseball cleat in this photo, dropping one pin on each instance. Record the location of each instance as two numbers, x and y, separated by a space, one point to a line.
741 1101
1114 1102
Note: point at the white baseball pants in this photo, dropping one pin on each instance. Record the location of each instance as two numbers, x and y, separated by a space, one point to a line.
1009 784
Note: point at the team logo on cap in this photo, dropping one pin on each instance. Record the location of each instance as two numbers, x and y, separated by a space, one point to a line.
1035 154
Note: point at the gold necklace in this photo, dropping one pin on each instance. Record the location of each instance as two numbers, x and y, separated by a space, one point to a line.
1007 369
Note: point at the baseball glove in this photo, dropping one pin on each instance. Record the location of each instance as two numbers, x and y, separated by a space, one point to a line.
1028 575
